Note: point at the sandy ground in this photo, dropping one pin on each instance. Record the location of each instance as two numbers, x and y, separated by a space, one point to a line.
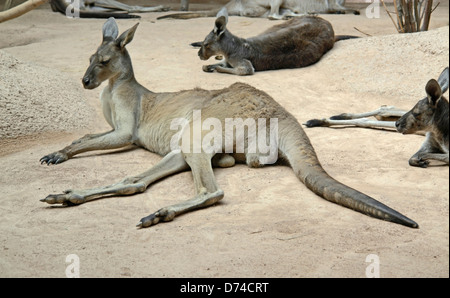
269 224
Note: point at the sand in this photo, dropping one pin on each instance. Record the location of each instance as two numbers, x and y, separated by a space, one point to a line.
269 224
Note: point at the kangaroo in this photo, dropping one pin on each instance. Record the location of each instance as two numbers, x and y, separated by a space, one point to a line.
272 9
144 118
429 116
296 43
102 8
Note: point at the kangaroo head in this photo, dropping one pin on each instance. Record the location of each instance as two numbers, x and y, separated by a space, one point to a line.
111 58
421 116
212 45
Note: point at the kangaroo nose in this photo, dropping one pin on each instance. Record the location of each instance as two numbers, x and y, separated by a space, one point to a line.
86 81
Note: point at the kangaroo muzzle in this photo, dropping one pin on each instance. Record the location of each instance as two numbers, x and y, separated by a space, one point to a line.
89 80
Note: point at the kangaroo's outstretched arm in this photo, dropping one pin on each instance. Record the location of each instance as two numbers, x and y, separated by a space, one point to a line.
430 150
241 68
108 140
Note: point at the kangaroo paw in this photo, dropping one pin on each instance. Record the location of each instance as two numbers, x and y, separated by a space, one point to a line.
209 68
419 163
54 158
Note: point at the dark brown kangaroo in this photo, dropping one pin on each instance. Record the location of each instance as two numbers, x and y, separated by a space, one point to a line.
139 116
296 43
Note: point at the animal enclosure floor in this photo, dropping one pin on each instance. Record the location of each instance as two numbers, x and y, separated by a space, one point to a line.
268 224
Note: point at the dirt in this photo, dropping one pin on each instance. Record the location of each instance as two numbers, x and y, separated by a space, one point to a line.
268 224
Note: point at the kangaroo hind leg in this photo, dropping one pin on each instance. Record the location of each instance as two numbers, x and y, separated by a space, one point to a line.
208 192
172 163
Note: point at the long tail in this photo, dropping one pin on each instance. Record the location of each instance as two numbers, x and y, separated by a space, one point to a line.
190 15
297 149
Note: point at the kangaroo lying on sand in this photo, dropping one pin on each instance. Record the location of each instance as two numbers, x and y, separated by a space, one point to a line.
139 116
272 9
101 8
429 115
295 43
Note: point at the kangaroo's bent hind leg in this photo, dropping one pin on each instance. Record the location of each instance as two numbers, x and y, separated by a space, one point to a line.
208 192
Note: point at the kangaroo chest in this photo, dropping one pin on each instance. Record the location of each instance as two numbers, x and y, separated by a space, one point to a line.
121 110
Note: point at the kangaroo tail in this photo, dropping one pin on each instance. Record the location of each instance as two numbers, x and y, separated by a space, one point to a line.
344 37
297 149
190 15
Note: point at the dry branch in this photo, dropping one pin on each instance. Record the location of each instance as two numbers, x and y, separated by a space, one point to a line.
412 15
20 10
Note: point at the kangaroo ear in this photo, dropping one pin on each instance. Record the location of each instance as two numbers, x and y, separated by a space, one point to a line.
220 26
126 37
443 80
223 13
221 22
110 30
434 92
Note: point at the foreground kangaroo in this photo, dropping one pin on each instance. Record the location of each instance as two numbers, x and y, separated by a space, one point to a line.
295 43
139 116
429 115
272 9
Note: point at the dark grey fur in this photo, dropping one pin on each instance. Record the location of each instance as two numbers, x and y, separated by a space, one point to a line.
431 116
296 43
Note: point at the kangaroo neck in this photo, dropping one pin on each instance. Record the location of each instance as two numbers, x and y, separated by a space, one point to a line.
233 45
120 79
441 119
126 73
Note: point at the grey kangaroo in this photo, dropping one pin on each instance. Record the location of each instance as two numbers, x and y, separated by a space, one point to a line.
102 8
272 9
296 43
141 117
429 116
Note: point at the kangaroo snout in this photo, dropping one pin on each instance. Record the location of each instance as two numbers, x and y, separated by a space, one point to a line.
201 55
89 83
85 81
398 125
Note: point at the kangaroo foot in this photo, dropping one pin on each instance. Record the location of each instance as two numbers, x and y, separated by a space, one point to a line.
154 218
67 198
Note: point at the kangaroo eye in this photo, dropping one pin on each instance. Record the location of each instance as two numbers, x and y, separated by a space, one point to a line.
105 62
